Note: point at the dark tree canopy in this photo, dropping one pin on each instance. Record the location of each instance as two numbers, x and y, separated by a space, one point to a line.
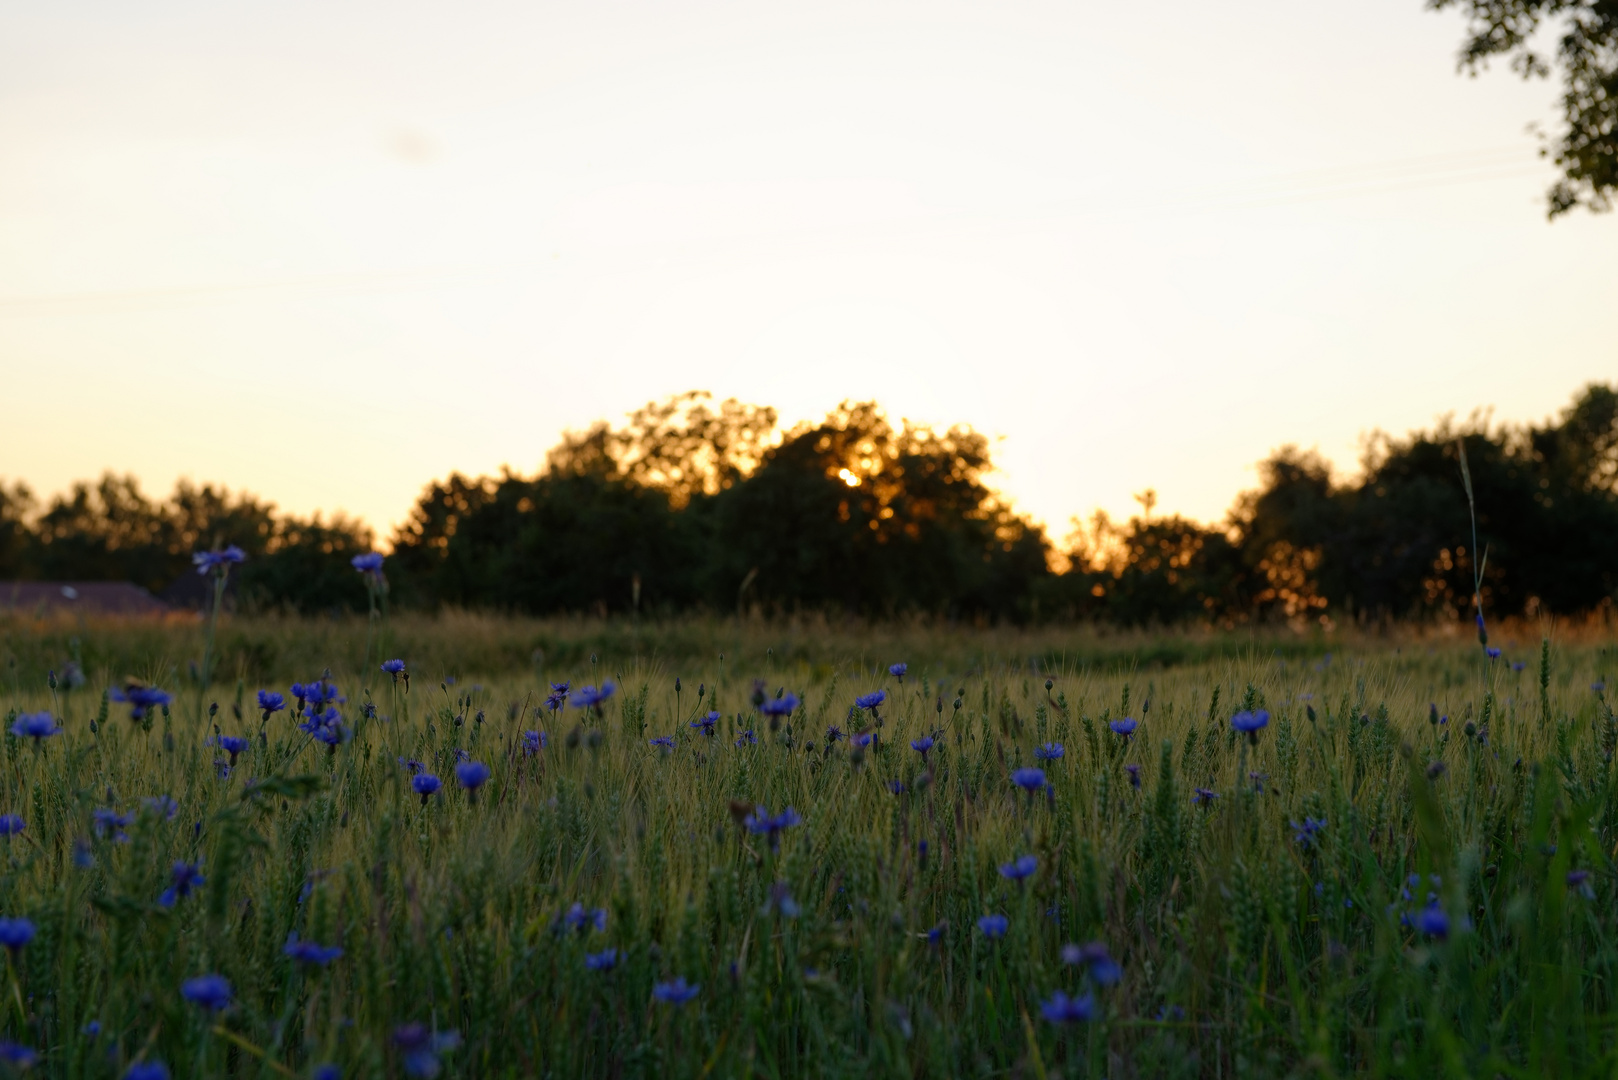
691 505
110 530
1587 54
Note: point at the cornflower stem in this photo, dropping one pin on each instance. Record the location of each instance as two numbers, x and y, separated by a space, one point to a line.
207 646
230 1036
370 625
16 987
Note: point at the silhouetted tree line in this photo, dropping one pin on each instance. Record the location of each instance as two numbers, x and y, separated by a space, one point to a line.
694 505
697 505
111 531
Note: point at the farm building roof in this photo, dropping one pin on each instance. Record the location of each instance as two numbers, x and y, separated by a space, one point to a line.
89 597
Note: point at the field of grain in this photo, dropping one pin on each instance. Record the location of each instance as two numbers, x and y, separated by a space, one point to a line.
721 848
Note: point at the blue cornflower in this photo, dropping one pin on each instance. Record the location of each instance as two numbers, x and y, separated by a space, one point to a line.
310 953
270 703
232 745
141 699
411 764
1432 921
1579 880
147 1070
1125 727
675 991
781 706
93 1029
935 936
1098 961
1134 775
319 718
425 785
746 738
780 899
871 701
472 774
422 1048
17 1055
861 739
1050 751
1028 778
898 671
1308 833
187 876
534 741
1250 722
320 712
11 824
163 806
705 723
833 733
555 702
108 821
605 960
326 1071
393 667
994 926
218 561
317 694
35 726
896 786
561 687
368 563
1203 796
1492 652
1518 665
590 697
1061 1009
1019 868
15 933
326 727
665 741
212 992
760 822
580 918
922 745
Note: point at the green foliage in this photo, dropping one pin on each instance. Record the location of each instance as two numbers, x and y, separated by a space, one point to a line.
1395 543
1587 53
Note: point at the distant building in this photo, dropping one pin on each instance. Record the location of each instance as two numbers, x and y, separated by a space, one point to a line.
86 597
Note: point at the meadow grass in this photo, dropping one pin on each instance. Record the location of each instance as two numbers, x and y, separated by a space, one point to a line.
1369 886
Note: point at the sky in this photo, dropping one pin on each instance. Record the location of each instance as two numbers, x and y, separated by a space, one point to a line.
327 252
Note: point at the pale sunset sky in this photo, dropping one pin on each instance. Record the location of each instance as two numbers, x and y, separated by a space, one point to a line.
327 252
